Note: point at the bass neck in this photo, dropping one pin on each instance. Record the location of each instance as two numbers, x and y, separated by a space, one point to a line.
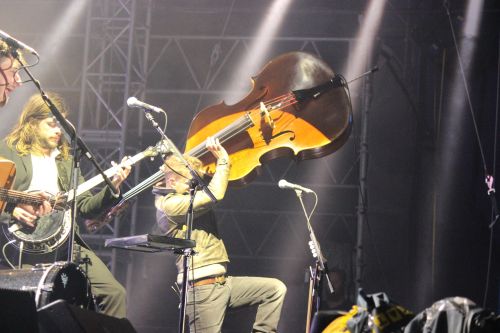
107 216
145 184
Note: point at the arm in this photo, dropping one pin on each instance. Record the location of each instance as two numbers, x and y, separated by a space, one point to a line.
177 204
89 205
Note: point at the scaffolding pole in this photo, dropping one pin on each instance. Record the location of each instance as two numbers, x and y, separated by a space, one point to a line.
363 174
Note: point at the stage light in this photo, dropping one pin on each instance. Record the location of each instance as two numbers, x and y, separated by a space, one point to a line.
458 107
359 60
53 42
257 52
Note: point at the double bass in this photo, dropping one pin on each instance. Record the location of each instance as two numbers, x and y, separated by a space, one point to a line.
298 107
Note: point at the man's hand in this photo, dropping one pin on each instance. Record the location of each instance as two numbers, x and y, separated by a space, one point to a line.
45 208
28 214
213 145
122 172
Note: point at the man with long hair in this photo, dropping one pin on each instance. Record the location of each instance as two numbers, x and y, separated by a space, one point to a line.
43 162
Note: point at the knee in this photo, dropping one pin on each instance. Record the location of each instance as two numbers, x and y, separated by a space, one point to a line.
279 288
114 301
113 295
119 294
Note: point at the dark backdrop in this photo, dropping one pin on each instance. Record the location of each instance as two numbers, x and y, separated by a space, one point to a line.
423 239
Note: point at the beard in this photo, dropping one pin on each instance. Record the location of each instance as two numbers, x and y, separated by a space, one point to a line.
45 143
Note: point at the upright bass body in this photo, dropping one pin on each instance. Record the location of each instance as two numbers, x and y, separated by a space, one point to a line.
298 107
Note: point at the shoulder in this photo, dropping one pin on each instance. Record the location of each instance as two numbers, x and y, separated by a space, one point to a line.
4 146
6 151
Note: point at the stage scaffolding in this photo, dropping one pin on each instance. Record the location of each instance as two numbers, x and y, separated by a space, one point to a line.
114 67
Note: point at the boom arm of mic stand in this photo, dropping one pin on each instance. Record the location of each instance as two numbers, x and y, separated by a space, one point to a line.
172 148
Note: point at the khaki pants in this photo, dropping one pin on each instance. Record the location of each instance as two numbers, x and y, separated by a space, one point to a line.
110 294
207 304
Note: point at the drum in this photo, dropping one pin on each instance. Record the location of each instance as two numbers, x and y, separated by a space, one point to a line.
50 282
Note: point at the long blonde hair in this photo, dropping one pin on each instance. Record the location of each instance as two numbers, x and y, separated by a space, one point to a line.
23 136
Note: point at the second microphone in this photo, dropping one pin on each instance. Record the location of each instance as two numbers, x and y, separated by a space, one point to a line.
135 103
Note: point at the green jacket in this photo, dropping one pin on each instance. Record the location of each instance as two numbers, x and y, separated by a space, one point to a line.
171 218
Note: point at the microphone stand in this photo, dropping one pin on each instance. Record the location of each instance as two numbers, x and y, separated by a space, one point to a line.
320 269
79 149
195 183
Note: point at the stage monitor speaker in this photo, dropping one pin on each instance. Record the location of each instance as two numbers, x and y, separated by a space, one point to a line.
17 312
61 317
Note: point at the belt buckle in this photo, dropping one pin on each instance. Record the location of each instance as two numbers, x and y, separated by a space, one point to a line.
220 279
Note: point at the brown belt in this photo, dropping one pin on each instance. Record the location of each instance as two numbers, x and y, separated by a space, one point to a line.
210 280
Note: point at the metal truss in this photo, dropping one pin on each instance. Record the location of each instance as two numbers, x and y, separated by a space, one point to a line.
203 73
114 68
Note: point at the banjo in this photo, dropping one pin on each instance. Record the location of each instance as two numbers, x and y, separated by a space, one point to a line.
53 229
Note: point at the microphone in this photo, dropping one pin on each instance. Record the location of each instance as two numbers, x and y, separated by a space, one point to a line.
283 184
16 44
135 103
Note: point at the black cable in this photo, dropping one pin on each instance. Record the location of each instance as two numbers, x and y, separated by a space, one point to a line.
466 87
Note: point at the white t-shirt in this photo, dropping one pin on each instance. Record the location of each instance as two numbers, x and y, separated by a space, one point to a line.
45 173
